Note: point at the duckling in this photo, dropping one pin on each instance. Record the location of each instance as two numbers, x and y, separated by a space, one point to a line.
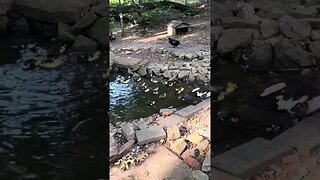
154 81
162 95
125 81
179 90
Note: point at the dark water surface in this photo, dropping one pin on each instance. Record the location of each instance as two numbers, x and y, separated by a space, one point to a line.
39 110
250 84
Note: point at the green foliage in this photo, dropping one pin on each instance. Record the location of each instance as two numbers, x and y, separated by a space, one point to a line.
151 17
191 12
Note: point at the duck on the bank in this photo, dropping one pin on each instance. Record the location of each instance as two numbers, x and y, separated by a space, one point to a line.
173 42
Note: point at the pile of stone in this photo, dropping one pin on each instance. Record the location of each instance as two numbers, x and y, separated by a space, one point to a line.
80 23
174 129
197 70
280 34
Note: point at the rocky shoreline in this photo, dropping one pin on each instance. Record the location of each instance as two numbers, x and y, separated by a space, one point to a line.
266 34
191 66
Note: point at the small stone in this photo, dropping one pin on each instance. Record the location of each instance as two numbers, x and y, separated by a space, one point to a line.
195 138
203 145
151 134
193 163
142 71
183 74
173 132
290 159
127 131
178 146
206 165
167 111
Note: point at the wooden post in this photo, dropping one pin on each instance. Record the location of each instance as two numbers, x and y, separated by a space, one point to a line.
122 25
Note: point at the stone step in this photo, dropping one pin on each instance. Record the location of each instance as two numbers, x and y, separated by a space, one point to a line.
250 158
151 134
188 111
217 175
304 136
171 120
205 104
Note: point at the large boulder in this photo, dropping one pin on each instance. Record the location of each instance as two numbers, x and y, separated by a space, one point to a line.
314 22
3 23
5 5
294 28
261 57
271 10
85 21
64 33
235 22
314 46
19 26
269 28
233 39
305 12
289 54
99 31
84 44
101 9
53 11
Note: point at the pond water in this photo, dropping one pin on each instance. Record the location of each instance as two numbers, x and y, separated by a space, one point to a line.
139 99
39 110
226 134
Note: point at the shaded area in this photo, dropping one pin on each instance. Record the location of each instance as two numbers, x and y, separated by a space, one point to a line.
39 111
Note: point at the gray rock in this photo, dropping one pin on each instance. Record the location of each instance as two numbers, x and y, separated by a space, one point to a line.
101 8
156 70
202 70
64 33
53 11
182 74
167 74
173 133
290 55
315 35
269 28
174 73
151 134
314 46
314 22
294 28
127 131
188 111
141 125
5 5
233 39
201 79
84 44
198 175
235 22
251 157
190 56
178 146
206 165
135 75
192 78
85 21
261 57
167 111
171 120
271 10
3 23
305 12
306 142
194 70
142 71
20 26
98 31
